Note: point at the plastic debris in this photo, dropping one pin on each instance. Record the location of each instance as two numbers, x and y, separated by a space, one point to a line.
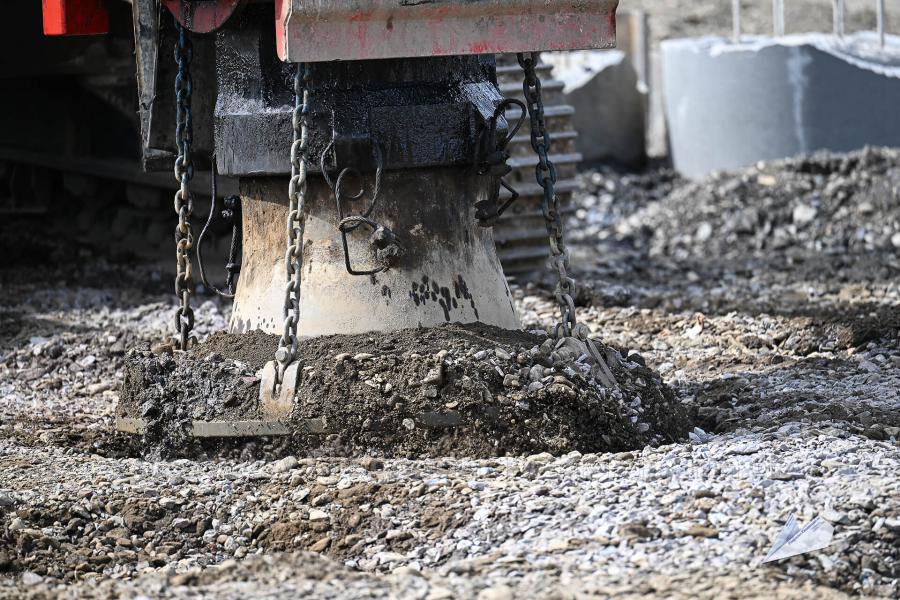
698 436
793 541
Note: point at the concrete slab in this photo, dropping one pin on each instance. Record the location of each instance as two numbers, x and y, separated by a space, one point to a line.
729 105
610 107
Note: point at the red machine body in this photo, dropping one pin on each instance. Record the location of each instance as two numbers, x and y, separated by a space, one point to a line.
75 17
325 30
203 16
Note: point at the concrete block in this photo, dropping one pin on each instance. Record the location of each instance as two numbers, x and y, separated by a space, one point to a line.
610 109
729 105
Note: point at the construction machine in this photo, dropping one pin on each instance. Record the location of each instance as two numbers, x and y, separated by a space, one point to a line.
370 143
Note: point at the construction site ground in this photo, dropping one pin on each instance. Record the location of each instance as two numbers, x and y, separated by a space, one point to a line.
769 300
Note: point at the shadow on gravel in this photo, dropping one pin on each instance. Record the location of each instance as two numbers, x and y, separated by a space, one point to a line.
17 326
718 286
773 398
30 258
843 320
102 441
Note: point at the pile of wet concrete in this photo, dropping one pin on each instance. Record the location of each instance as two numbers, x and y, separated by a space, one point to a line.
456 390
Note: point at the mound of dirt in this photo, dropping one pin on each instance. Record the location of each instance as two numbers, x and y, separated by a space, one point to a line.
825 203
456 390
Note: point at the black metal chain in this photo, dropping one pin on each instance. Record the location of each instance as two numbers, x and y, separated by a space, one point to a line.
296 222
545 172
184 200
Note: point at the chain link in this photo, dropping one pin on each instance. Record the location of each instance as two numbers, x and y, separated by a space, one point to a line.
184 200
293 259
545 172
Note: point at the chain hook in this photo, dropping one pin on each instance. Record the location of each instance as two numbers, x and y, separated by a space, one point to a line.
384 242
545 173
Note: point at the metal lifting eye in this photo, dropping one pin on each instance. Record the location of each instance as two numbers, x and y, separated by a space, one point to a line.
384 242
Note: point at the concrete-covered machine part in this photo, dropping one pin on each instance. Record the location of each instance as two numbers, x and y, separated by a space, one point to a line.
446 273
428 114
421 118
730 104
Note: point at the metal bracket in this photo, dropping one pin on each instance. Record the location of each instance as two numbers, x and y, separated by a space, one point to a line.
311 426
277 402
201 16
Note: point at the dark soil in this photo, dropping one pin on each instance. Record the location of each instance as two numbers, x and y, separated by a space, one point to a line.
453 390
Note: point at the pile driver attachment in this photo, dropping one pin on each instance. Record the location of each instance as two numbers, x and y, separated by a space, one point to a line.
369 142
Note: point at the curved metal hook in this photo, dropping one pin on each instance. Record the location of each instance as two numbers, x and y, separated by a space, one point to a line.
347 224
232 267
491 159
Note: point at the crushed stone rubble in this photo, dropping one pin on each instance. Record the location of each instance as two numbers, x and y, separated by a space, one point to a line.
805 326
705 511
831 204
782 353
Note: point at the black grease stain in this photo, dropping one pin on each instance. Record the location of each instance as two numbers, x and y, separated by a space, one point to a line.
385 292
464 291
430 291
424 291
445 302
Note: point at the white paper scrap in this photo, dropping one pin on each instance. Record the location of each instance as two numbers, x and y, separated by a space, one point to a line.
792 540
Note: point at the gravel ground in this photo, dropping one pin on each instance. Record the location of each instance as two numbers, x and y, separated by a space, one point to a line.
777 335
